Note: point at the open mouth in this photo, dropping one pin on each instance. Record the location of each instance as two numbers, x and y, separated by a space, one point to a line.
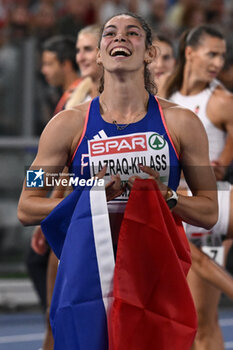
120 51
158 74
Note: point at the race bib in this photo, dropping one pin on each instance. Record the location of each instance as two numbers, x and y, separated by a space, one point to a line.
215 253
123 154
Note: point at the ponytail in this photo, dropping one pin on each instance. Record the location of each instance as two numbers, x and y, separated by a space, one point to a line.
175 80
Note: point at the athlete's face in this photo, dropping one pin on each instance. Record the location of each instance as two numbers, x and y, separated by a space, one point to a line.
165 60
123 45
86 51
207 59
52 69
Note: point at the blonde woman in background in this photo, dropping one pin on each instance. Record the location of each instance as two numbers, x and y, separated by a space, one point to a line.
164 64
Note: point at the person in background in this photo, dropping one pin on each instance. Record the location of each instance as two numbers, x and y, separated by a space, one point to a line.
90 71
164 64
157 14
44 22
73 18
194 85
202 264
59 67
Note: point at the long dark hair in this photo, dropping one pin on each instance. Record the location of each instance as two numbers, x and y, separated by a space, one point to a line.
150 86
188 38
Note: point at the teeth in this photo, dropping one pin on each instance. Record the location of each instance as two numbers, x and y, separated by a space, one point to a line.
120 50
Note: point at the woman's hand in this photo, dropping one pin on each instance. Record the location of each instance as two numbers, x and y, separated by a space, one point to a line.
113 188
38 241
219 170
153 174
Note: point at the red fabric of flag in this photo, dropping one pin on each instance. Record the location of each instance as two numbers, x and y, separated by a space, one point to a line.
152 305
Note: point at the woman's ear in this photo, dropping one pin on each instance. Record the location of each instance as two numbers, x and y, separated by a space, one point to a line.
98 57
188 53
150 54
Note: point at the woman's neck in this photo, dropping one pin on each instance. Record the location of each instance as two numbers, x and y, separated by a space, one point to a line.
94 88
127 103
191 85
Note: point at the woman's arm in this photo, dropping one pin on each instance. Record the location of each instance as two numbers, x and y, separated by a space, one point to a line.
55 147
202 208
220 165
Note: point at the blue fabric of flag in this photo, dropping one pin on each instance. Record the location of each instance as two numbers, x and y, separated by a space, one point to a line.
78 316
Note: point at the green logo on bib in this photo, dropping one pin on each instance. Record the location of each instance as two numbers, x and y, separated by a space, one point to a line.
157 142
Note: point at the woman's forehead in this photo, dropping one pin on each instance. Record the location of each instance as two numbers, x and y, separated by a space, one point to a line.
87 36
210 42
124 20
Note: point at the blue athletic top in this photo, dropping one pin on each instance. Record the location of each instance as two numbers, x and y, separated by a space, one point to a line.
146 141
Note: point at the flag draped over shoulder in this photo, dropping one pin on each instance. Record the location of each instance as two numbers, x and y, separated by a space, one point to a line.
141 303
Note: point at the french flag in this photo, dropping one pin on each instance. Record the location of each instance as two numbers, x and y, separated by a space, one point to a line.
141 301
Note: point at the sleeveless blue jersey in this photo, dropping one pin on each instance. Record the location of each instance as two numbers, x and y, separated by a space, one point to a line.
146 141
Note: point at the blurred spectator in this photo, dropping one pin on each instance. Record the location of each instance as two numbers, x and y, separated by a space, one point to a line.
193 15
55 67
215 10
10 88
164 63
44 23
176 13
157 17
35 4
228 19
3 13
157 14
19 23
75 17
110 8
11 70
142 8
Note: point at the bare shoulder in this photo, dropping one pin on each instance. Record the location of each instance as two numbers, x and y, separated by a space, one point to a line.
222 94
221 100
182 124
219 108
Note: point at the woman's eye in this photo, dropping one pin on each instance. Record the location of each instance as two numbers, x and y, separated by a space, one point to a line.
211 54
108 34
133 33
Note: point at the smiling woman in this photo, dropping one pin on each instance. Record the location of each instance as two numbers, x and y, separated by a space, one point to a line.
126 133
121 50
86 50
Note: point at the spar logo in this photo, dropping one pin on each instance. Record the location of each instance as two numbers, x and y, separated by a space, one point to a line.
157 142
116 145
